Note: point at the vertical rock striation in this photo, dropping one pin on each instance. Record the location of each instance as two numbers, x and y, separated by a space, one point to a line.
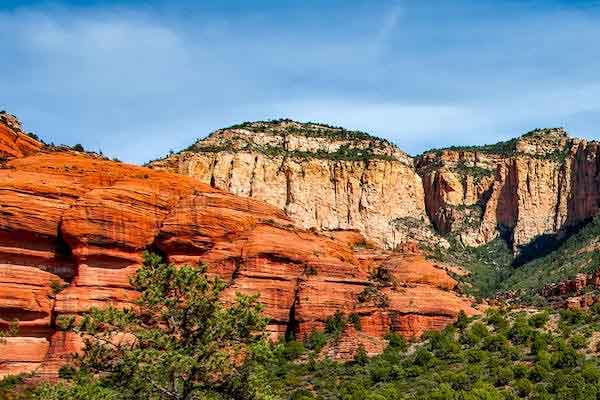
73 228
541 184
322 177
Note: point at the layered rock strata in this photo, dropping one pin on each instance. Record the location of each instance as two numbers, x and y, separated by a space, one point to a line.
73 228
14 142
323 177
543 183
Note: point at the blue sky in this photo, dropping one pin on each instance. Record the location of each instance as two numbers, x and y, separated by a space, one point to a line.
137 78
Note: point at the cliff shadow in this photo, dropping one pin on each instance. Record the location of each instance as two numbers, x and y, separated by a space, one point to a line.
545 244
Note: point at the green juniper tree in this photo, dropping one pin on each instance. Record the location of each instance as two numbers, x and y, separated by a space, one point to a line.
178 343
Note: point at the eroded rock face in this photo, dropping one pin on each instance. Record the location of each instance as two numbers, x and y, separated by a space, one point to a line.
73 228
540 184
13 141
322 177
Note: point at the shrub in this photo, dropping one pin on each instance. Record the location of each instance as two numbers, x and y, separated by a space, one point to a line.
442 344
56 286
539 320
496 318
396 341
335 324
316 340
361 357
293 349
475 333
579 341
423 357
573 317
519 370
565 358
302 394
538 373
523 387
520 331
496 342
503 376
539 343
65 322
354 319
462 321
381 275
372 294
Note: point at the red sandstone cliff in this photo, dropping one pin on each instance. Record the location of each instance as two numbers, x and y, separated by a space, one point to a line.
539 184
326 178
13 141
73 228
323 177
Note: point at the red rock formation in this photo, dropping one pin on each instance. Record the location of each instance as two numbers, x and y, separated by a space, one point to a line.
70 219
570 287
542 183
13 141
351 340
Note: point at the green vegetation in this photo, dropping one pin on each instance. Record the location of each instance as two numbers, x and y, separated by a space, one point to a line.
34 136
542 132
463 170
308 129
547 260
578 254
409 223
509 147
344 152
371 294
504 355
57 287
354 150
180 342
488 265
506 148
558 155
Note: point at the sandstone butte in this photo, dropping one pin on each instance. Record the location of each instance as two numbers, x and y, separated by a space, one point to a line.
543 183
73 227
323 177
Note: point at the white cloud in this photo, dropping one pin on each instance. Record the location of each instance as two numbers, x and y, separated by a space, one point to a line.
136 82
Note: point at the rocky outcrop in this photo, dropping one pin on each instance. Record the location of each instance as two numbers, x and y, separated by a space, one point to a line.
322 177
572 286
14 142
73 228
543 183
579 292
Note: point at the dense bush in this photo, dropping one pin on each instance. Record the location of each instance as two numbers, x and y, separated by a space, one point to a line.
502 355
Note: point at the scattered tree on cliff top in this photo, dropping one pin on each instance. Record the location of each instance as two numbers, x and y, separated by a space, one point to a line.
179 343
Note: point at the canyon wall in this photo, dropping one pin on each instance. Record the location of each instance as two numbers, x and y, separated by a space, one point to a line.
543 183
323 177
73 227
